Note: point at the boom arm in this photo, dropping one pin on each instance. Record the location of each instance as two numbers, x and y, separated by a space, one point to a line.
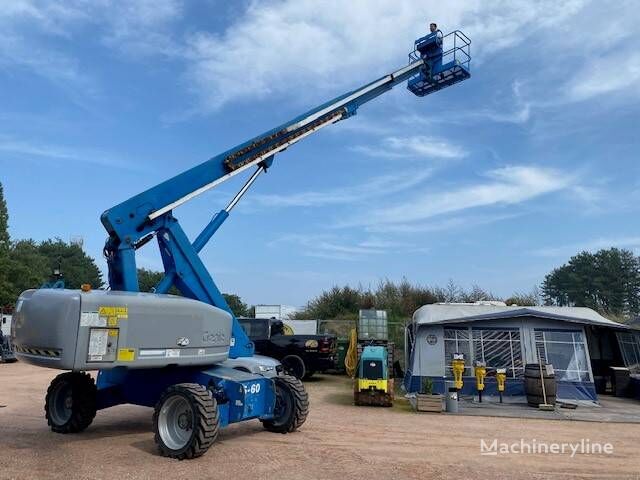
139 219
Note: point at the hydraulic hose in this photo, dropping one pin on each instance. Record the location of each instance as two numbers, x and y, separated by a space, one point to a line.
351 358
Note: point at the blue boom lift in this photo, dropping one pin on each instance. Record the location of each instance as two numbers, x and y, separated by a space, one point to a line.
192 403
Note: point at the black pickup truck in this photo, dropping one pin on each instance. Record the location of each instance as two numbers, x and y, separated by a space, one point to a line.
301 355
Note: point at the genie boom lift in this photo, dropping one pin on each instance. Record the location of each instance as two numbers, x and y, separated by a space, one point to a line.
165 351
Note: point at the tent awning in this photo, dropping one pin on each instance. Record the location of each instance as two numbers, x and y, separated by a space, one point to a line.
443 313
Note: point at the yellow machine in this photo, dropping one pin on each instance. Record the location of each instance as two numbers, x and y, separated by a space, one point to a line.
457 366
480 371
372 385
501 379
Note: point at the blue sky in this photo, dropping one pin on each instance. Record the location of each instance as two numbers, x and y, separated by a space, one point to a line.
494 181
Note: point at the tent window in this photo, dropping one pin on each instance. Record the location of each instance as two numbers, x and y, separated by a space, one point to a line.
456 340
499 349
566 351
630 348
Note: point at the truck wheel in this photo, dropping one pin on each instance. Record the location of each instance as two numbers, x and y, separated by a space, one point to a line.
294 365
185 421
292 405
70 404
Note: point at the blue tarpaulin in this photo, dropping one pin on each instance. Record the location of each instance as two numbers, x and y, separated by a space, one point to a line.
513 387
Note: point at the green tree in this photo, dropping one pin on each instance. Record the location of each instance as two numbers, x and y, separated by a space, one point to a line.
338 302
149 279
522 299
237 306
607 281
5 284
400 300
77 267
4 224
29 264
27 268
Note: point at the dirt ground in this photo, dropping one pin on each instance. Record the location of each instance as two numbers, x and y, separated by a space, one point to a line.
338 441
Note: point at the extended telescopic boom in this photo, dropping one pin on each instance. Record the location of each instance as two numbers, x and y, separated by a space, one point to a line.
136 221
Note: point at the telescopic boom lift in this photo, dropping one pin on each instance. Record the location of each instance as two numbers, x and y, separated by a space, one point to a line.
163 351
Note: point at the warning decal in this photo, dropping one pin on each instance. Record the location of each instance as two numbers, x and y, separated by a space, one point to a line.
126 354
118 312
111 315
91 319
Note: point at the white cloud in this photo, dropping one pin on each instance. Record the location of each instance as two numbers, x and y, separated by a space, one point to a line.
271 49
371 188
23 26
604 75
143 27
40 36
300 44
328 246
442 224
504 186
61 69
417 146
518 116
344 248
27 150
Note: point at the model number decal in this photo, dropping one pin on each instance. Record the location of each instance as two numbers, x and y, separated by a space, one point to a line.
254 388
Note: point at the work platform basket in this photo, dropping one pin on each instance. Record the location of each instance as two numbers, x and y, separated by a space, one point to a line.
447 61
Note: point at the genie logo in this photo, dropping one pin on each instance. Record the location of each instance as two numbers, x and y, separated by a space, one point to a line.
214 337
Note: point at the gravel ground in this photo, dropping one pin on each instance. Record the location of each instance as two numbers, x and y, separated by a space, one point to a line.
338 441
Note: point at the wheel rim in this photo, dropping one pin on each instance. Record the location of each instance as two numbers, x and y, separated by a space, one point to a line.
175 422
294 367
61 407
283 407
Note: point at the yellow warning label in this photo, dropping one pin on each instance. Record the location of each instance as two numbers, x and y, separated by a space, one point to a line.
117 312
113 332
126 354
112 321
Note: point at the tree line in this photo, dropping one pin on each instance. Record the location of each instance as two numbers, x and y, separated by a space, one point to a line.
607 281
399 299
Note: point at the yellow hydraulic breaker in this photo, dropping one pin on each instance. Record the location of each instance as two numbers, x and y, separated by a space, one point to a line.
501 379
457 366
480 371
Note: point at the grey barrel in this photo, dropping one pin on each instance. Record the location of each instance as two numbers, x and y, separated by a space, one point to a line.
533 385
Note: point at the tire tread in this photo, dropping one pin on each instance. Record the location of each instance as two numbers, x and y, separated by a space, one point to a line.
207 422
300 405
84 402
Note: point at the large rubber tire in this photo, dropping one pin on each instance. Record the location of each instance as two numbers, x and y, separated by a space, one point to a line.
70 404
292 405
185 421
294 365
